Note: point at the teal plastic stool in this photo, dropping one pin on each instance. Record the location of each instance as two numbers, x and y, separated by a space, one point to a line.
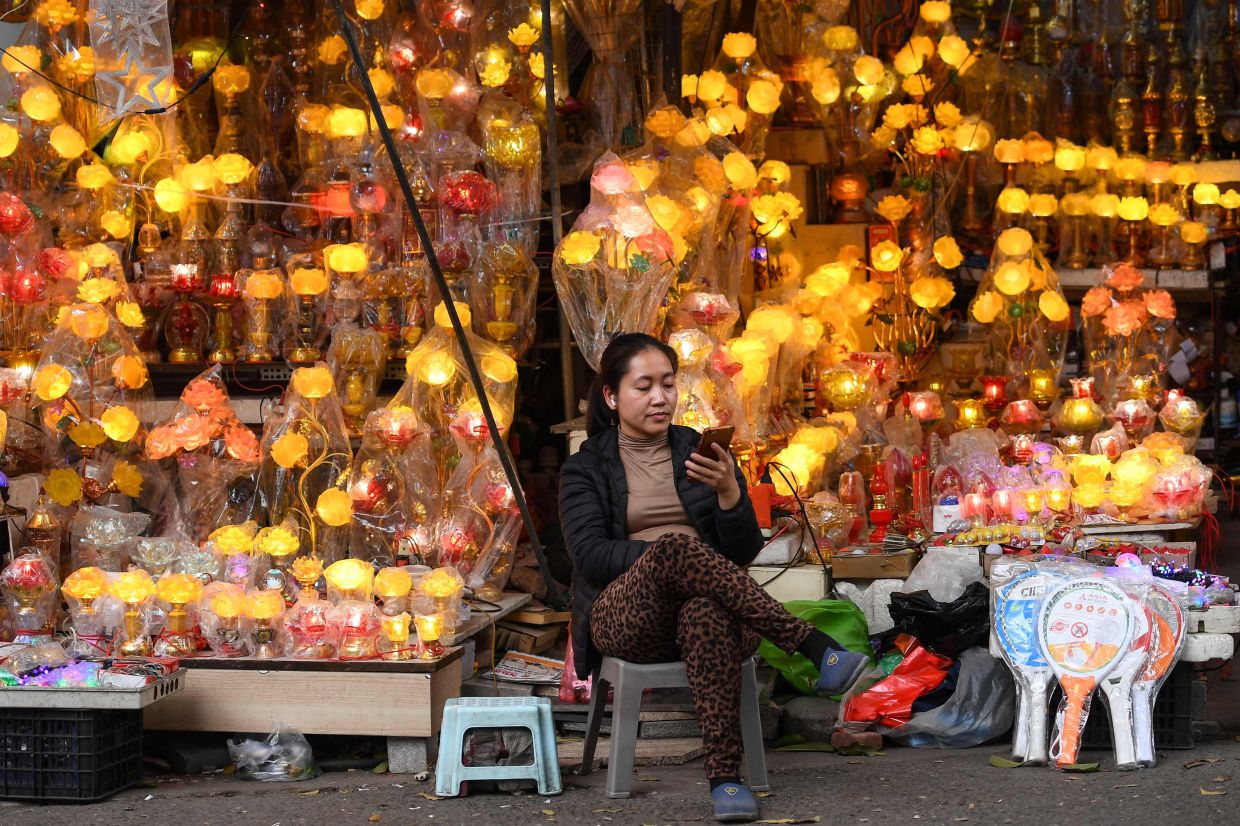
461 714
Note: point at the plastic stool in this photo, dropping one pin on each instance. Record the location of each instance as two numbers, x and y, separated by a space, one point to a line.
461 714
629 680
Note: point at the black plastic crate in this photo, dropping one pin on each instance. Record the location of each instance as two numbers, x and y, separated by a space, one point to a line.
68 756
1173 718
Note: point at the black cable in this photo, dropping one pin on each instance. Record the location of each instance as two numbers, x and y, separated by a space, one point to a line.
554 595
198 83
796 494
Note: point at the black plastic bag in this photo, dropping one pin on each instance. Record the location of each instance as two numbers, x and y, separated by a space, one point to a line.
945 628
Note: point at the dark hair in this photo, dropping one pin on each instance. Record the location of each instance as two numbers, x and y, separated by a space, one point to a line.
612 367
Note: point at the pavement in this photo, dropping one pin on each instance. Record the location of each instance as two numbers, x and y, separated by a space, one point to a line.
899 785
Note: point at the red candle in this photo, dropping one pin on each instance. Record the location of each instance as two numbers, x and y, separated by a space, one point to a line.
1003 503
974 507
994 391
223 285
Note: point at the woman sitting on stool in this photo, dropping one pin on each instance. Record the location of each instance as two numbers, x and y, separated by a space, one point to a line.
659 536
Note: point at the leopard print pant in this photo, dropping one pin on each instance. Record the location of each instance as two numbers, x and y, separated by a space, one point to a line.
682 600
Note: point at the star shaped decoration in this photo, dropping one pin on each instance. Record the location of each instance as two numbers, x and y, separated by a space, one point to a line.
129 23
135 87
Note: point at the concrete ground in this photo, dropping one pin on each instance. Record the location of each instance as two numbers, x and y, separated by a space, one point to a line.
898 786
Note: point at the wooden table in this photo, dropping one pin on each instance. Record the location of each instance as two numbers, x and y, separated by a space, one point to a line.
371 697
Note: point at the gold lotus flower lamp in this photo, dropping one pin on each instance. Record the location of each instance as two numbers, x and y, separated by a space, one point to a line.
307 570
178 590
309 286
261 290
135 588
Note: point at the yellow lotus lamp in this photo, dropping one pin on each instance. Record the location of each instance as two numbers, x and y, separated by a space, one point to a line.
67 142
346 123
1079 417
1011 153
1088 467
1058 495
1089 495
1125 497
396 628
307 570
232 540
178 590
82 588
1194 234
233 169
347 260
444 586
430 628
227 606
1135 468
392 585
264 609
1133 211
171 195
134 588
1069 160
349 579
313 383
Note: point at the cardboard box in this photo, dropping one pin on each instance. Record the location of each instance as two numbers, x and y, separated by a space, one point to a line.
798 582
896 565
528 639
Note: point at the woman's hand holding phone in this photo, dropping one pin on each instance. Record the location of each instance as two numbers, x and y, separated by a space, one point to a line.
717 472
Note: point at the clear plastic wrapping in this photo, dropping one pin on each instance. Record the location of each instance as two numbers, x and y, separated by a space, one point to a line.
613 270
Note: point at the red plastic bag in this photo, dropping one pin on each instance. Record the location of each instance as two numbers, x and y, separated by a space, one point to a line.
572 690
889 701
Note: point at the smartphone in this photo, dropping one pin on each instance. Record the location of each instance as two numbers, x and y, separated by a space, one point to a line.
721 436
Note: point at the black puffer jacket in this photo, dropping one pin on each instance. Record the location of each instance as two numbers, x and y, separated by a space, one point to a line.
594 499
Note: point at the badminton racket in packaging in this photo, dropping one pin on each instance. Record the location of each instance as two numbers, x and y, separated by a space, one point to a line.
1085 628
1167 643
1016 606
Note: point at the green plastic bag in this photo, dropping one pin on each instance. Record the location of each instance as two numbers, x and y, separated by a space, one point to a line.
839 619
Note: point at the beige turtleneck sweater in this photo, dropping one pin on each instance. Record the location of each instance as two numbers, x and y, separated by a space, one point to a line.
654 507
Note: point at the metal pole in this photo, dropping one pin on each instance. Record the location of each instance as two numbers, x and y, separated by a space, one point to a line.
554 596
557 209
